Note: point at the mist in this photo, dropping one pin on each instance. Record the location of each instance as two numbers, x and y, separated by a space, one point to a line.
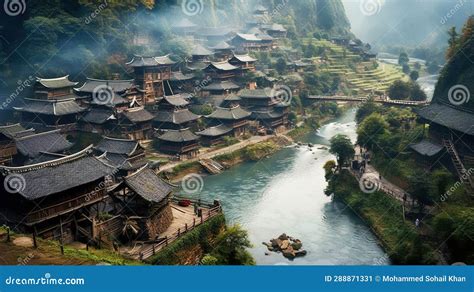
406 23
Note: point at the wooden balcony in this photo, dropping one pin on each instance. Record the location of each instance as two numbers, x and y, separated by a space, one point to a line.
49 212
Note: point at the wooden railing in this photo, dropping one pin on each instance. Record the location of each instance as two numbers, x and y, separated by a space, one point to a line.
156 246
65 207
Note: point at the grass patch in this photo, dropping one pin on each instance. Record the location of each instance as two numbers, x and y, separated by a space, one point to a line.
201 236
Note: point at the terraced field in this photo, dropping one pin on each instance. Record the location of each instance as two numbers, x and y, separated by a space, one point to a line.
363 77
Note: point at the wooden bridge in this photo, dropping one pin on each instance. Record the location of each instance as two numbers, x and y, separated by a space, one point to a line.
386 101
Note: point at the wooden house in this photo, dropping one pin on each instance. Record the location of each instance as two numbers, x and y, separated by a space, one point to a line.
151 75
275 30
266 106
98 120
8 148
173 113
54 88
244 62
220 88
36 148
58 199
182 82
235 118
144 199
221 70
179 142
110 93
124 154
201 54
222 51
136 123
50 114
214 135
247 42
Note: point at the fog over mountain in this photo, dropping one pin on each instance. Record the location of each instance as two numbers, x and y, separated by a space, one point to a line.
410 23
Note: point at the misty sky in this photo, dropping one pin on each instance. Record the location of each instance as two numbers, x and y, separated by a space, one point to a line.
406 22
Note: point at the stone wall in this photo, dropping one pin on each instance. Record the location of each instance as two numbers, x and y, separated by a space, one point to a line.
158 223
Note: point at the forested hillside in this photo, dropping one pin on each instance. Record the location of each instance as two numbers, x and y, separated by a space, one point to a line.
459 69
94 38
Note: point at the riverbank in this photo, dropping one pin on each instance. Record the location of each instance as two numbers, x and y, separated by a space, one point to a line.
401 240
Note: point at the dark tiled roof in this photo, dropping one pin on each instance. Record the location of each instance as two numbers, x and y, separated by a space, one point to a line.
222 46
223 66
140 61
234 113
32 146
117 86
427 148
123 162
214 31
248 37
232 97
223 85
179 76
243 58
177 117
12 130
199 50
138 115
54 83
178 136
50 107
267 115
59 175
448 117
258 93
177 99
44 157
117 146
148 185
275 27
215 131
98 116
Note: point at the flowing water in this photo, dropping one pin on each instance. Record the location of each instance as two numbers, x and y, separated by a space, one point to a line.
285 193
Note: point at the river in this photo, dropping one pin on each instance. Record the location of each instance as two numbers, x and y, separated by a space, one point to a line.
285 193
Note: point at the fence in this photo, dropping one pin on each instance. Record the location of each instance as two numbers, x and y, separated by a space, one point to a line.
154 247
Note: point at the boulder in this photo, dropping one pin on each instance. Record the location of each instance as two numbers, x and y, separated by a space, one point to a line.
283 237
296 245
284 244
289 253
276 243
300 253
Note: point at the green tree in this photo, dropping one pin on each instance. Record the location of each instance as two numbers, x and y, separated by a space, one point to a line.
399 90
421 188
280 66
231 247
403 59
406 68
371 130
365 110
342 148
414 75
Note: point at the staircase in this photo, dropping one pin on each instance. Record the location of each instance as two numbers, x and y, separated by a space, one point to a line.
211 166
463 174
